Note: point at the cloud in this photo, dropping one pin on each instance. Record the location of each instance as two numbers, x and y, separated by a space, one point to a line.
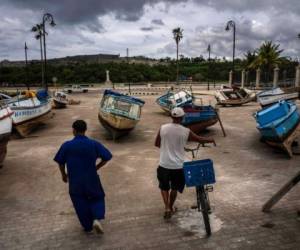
145 26
148 28
157 22
88 11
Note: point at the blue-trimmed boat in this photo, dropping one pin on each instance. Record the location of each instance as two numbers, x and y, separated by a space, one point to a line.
171 100
198 118
30 110
278 121
118 113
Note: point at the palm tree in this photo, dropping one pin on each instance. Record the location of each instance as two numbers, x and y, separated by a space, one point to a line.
38 29
268 57
249 59
177 35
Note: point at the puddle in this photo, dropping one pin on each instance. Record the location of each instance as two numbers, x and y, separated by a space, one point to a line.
191 221
128 169
149 131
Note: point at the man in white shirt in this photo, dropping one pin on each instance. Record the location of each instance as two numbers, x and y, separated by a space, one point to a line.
171 139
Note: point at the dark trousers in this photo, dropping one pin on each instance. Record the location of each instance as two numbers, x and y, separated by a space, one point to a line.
88 209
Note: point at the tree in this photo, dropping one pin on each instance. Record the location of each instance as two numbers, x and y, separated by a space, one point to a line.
38 30
177 35
268 57
249 59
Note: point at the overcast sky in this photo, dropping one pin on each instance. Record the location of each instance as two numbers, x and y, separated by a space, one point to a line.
145 26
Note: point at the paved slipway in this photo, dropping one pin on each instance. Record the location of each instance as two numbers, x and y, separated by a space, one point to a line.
36 212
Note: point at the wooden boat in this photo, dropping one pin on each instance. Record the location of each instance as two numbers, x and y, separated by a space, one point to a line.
30 111
234 97
171 100
118 113
5 130
198 118
60 100
276 122
272 96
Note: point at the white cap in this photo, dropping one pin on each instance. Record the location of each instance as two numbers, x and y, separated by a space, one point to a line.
177 112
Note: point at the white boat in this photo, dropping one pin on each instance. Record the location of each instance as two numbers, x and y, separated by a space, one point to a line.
269 97
5 130
60 99
172 99
29 111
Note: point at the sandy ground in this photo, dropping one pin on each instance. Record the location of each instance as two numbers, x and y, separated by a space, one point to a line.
36 212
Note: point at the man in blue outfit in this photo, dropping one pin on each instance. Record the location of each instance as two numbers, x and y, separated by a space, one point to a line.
79 155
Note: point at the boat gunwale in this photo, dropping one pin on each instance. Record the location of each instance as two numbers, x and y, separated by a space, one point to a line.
43 103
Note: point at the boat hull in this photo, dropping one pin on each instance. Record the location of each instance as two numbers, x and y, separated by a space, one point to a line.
234 102
201 126
278 121
198 118
165 109
3 147
115 131
58 104
118 113
27 118
5 131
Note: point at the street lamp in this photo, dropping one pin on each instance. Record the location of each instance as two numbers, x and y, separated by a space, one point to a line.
46 18
231 24
26 66
208 75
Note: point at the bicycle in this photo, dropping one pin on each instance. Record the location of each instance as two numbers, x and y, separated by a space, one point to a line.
200 174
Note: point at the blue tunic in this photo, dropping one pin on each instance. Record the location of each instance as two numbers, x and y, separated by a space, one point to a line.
86 191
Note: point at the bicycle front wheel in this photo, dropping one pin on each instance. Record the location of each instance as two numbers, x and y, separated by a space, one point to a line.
203 203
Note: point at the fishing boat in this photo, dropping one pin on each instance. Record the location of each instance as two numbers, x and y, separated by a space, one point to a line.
5 130
198 118
277 121
60 100
118 113
269 97
30 110
171 100
234 97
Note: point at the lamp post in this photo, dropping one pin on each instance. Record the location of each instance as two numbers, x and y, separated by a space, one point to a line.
231 24
46 18
208 75
127 59
26 69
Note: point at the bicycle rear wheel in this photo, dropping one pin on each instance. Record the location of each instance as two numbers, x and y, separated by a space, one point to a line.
202 203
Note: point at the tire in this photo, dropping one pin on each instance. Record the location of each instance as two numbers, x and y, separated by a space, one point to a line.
85 91
69 91
203 204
